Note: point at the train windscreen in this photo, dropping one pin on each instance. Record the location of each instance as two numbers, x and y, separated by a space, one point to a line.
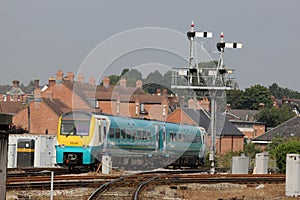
77 128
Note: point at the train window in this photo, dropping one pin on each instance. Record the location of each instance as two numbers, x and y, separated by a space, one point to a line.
133 134
111 133
196 139
118 134
123 134
148 135
67 128
179 137
139 134
71 127
173 137
82 127
128 134
142 136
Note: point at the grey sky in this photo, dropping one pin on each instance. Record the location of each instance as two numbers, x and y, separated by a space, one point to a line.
39 37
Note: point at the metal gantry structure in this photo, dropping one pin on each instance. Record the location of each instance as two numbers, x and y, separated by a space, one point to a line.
209 79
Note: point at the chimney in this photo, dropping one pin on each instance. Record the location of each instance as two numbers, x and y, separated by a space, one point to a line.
192 103
80 78
204 104
36 83
38 94
70 76
165 92
123 82
158 91
51 81
261 106
15 83
92 81
228 106
15 98
138 84
106 82
59 76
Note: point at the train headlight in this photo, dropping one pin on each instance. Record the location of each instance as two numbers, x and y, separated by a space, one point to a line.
85 146
62 146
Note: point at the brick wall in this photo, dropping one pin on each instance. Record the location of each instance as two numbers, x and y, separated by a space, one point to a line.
42 118
227 144
60 91
178 117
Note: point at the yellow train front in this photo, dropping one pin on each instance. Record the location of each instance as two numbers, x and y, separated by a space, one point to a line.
76 138
84 137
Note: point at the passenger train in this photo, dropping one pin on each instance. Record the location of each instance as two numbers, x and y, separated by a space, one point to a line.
84 137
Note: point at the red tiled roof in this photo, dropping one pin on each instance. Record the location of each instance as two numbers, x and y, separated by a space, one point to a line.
10 107
56 105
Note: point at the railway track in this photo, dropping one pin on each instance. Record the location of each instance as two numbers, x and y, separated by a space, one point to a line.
131 187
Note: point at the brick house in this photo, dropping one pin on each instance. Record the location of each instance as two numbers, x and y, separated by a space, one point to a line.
244 120
60 95
230 138
131 101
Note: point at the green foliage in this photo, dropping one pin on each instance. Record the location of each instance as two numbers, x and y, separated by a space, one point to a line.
274 116
234 98
271 147
250 150
114 79
284 148
279 92
250 98
132 74
225 160
153 81
255 95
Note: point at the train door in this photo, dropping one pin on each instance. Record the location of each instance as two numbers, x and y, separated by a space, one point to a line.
164 138
104 134
25 153
157 142
160 137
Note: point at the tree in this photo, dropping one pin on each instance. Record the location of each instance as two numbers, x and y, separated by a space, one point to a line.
280 92
234 98
284 148
153 81
251 98
114 79
255 95
274 116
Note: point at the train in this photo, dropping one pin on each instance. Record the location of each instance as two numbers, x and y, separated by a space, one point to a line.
84 137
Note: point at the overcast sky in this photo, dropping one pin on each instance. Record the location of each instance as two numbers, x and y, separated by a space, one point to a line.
39 37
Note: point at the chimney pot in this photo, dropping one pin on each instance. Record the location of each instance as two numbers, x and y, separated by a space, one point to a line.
51 81
59 76
80 78
123 82
36 83
70 76
15 83
138 83
106 82
92 81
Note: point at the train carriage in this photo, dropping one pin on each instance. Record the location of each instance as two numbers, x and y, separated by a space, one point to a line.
84 137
